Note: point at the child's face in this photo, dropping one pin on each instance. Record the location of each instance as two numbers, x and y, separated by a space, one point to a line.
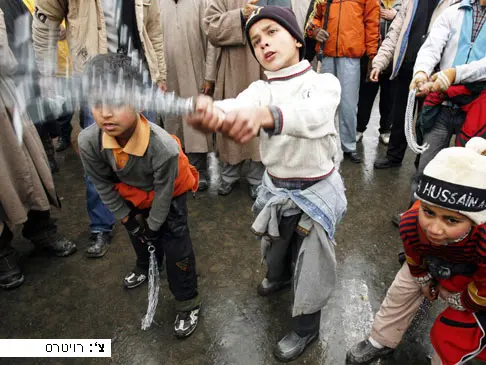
442 226
274 46
116 121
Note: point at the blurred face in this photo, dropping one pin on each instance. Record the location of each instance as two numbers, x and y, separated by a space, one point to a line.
443 226
117 121
274 46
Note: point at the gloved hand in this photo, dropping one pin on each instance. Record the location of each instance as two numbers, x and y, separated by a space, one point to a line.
418 80
131 224
443 80
320 35
149 236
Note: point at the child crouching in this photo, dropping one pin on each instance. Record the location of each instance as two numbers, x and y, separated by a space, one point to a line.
301 199
444 235
142 176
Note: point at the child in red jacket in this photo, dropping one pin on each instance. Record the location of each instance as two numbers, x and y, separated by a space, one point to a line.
444 236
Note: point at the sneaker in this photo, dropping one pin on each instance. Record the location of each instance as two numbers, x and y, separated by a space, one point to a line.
364 353
135 278
62 144
186 322
10 274
292 346
98 244
385 138
359 136
225 188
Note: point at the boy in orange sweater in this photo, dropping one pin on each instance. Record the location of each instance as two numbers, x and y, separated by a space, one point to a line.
141 174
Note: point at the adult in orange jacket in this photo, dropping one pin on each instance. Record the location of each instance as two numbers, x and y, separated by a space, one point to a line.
353 29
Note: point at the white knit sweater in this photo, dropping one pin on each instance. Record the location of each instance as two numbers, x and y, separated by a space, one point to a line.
306 145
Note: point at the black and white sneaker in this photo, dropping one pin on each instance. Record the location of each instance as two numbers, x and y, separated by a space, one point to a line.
186 322
135 278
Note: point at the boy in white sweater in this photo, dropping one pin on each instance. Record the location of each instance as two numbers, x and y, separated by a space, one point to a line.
301 199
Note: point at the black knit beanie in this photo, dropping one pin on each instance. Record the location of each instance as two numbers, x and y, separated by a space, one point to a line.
283 16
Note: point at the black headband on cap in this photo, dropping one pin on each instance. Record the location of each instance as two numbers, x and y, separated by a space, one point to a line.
283 16
451 196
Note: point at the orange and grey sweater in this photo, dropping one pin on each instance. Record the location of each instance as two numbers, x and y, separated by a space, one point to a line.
471 250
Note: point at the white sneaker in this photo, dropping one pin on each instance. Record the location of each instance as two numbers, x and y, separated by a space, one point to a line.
385 138
359 136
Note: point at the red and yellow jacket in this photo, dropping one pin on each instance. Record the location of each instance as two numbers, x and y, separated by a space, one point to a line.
354 27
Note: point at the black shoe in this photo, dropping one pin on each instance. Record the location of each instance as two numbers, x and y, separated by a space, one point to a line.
225 188
292 346
186 322
62 144
55 244
12 277
364 353
98 244
385 163
252 191
352 156
203 183
267 287
135 278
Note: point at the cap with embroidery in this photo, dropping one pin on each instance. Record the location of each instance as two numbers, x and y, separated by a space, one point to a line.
456 180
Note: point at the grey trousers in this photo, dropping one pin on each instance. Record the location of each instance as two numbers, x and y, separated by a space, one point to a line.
281 257
232 173
448 122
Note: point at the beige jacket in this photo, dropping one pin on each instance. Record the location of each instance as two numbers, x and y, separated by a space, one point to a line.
394 46
86 33
237 68
25 177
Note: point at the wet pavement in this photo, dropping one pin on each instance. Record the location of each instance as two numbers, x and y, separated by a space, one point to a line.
77 297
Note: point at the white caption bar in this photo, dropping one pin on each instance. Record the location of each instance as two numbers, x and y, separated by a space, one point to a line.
55 348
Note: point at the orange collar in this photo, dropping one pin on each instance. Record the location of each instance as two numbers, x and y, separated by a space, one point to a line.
138 142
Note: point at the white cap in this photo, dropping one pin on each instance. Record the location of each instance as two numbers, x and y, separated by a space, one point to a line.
456 180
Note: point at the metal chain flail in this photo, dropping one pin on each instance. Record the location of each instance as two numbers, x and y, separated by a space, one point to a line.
410 125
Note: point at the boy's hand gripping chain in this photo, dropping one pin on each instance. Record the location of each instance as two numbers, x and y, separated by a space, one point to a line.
410 125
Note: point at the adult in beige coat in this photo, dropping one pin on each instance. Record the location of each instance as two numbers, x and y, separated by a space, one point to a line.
94 27
27 188
191 69
237 68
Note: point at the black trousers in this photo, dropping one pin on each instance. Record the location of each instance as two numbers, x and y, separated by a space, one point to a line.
367 95
175 242
399 89
281 258
38 227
